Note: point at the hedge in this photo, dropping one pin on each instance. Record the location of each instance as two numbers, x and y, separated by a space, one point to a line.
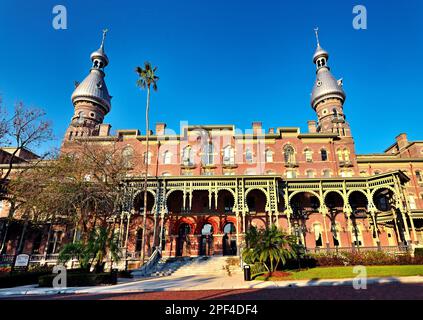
80 279
418 252
10 280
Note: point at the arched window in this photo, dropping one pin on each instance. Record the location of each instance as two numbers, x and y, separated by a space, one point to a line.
310 174
419 176
347 155
228 155
127 155
308 155
340 155
208 155
291 174
248 156
412 202
167 157
166 174
335 112
270 172
269 156
187 156
250 172
324 155
326 173
289 155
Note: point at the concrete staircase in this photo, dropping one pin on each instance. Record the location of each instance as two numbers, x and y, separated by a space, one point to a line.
190 266
208 266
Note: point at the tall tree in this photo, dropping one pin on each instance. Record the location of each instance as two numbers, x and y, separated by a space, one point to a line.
147 79
82 187
25 128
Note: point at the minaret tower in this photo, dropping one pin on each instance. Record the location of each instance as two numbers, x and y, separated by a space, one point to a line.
328 96
91 98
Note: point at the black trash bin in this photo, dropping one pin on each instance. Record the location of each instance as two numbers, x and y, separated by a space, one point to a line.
247 273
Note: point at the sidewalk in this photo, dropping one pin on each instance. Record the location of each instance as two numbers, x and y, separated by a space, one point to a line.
186 283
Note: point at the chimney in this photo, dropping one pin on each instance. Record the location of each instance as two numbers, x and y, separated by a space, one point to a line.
312 126
402 140
104 130
257 127
160 128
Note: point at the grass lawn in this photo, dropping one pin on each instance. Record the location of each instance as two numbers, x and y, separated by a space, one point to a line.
347 272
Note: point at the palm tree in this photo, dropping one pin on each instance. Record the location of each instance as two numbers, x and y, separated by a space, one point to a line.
147 79
269 247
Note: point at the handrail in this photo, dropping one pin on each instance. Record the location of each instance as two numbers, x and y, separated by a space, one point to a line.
154 258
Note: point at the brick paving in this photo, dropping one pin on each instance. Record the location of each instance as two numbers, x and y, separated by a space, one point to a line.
392 291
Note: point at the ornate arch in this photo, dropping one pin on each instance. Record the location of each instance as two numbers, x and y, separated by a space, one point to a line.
325 194
262 190
304 191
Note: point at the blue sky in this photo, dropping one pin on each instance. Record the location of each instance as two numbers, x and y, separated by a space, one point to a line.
221 61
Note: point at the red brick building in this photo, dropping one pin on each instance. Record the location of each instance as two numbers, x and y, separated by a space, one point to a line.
207 184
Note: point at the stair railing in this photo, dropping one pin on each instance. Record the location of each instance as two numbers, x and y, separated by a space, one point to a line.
151 262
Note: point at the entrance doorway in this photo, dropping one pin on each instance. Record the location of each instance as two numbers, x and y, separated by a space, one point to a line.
206 240
183 240
229 240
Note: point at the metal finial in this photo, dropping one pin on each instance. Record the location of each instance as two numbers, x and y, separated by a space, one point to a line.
316 31
104 37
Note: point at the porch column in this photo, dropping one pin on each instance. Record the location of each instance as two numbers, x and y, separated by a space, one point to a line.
288 212
375 229
243 222
395 217
237 232
413 229
270 218
162 215
277 219
348 212
407 231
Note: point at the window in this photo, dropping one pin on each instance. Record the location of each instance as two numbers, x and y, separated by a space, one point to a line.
347 155
228 155
363 173
324 154
310 174
412 202
419 176
208 157
308 155
250 172
166 174
291 174
340 156
127 155
167 157
248 156
187 156
326 173
269 156
147 157
289 154
270 172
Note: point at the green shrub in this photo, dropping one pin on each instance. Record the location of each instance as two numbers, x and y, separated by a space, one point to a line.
418 252
78 279
20 279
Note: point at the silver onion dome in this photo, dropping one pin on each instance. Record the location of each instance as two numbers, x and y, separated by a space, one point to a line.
325 87
320 52
93 89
